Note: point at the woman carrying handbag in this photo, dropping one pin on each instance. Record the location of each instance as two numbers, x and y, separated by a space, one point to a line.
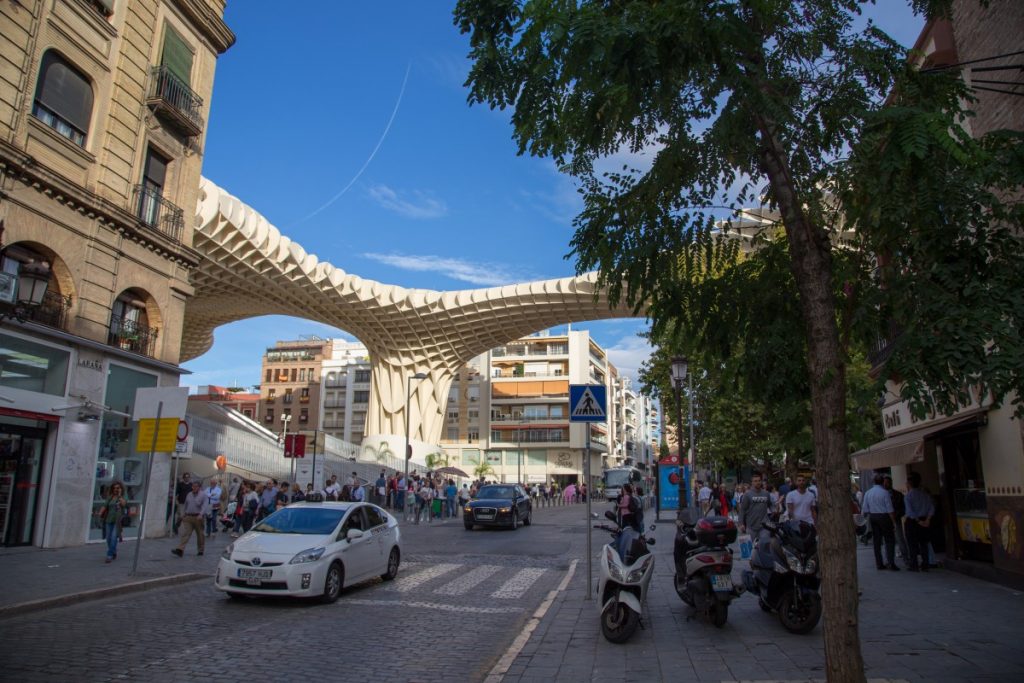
112 514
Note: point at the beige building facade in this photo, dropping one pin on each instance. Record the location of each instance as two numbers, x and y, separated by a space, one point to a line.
103 106
971 462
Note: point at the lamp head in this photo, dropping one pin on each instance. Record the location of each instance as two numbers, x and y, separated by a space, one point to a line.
679 368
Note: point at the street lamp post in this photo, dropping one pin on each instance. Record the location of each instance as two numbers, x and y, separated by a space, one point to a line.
286 418
679 374
519 452
408 398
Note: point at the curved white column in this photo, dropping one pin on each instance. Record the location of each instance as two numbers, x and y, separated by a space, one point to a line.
251 269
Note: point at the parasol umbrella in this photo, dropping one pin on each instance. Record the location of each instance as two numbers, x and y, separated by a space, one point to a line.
454 471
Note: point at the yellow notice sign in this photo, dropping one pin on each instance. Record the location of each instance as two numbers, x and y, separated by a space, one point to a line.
166 435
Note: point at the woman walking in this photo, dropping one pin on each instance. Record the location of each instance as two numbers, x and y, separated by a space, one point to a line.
112 513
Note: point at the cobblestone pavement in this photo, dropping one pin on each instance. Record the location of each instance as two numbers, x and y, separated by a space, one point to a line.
936 627
485 604
460 599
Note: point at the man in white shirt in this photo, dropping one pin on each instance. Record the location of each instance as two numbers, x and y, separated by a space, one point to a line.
801 504
704 497
334 488
879 510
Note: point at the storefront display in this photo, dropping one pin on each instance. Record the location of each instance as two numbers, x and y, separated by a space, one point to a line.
21 460
117 459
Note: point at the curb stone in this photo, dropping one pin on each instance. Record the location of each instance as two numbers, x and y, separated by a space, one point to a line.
18 609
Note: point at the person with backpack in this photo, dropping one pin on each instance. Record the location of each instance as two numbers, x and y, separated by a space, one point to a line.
628 506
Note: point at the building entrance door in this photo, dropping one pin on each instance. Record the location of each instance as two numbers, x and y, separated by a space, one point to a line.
21 465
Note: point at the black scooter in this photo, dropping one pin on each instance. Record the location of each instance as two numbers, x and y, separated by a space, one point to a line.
784 574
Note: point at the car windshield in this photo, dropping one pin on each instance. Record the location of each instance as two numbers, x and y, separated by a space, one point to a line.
495 492
302 520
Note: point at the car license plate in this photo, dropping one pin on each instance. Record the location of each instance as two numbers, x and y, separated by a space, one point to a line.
255 574
486 515
721 582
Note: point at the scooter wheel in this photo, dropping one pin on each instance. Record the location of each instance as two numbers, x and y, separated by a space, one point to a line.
720 614
765 607
679 583
618 622
799 617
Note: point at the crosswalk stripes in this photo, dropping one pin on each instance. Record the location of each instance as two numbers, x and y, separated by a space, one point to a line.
469 580
515 587
451 579
414 581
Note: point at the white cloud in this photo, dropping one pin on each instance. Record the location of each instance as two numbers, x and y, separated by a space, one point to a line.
640 160
481 274
628 354
417 204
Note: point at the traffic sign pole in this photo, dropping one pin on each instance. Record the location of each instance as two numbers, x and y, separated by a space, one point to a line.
590 532
145 490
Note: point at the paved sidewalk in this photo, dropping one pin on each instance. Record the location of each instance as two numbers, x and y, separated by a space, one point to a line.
936 627
35 578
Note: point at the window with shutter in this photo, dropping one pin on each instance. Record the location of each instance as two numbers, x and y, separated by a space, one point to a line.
177 56
63 98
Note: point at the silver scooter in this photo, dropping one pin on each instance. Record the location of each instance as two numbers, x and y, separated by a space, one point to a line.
626 569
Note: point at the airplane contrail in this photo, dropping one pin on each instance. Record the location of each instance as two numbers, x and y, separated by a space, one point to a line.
369 159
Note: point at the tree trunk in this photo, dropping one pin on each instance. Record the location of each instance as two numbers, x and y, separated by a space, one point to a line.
811 262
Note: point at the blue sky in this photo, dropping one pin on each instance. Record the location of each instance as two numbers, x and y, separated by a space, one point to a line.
347 126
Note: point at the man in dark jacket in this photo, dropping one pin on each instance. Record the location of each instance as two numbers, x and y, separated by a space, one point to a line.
900 510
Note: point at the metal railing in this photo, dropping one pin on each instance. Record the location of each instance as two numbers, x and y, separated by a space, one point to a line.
884 345
52 311
168 94
152 209
131 336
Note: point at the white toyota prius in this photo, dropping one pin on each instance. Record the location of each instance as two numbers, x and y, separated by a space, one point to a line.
312 549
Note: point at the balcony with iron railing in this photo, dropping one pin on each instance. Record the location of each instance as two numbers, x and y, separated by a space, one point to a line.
132 336
884 345
156 212
171 99
52 311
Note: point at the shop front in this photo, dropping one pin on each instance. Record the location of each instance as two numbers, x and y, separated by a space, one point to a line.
33 376
972 463
23 437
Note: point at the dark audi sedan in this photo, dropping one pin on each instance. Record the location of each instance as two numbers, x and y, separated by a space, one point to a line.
498 505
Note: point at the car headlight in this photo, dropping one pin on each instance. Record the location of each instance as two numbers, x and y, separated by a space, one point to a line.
638 573
227 551
308 555
614 569
504 509
467 509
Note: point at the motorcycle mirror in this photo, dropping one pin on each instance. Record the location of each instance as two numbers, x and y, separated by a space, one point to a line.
593 515
653 527
608 514
650 541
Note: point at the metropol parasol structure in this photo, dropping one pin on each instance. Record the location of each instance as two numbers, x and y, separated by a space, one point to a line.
251 269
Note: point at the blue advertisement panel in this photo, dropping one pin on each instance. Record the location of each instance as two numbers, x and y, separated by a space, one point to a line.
668 487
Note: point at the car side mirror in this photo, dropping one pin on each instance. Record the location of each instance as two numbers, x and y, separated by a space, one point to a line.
353 534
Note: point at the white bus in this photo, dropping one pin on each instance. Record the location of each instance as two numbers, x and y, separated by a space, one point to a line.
615 477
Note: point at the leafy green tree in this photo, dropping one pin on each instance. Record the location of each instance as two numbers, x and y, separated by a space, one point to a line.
780 99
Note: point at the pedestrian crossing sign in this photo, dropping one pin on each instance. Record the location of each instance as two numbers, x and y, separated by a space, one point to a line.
588 403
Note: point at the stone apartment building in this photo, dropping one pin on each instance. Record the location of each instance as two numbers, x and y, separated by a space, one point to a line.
290 391
103 105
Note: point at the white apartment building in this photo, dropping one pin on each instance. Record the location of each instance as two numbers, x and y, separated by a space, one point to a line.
509 409
345 378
